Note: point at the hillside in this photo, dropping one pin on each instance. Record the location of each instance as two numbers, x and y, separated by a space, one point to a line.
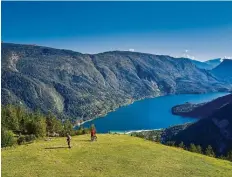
215 130
224 70
111 155
84 86
202 110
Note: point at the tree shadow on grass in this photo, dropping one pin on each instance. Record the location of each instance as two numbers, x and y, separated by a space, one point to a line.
56 148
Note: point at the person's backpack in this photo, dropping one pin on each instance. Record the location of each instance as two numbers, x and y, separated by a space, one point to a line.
69 138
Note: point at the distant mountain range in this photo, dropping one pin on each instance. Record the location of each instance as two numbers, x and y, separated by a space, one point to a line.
208 65
84 86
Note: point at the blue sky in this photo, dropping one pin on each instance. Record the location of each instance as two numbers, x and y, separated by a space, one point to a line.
202 30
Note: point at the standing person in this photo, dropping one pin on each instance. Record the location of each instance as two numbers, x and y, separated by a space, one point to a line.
69 140
93 133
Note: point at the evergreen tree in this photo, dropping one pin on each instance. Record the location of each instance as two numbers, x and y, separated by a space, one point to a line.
40 127
53 124
68 128
181 145
209 151
9 118
229 156
170 143
199 149
192 148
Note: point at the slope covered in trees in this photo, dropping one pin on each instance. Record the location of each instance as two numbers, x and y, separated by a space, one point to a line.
19 126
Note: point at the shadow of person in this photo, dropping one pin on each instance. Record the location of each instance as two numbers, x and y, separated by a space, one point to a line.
85 140
56 148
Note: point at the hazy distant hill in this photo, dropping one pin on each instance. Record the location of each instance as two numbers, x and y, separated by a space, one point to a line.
208 65
214 62
224 70
201 65
84 86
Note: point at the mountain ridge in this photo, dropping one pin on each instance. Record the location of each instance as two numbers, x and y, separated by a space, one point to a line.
85 86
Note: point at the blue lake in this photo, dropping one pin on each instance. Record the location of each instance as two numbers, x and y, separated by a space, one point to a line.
148 114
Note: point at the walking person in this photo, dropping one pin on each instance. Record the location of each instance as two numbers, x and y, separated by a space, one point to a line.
93 133
69 140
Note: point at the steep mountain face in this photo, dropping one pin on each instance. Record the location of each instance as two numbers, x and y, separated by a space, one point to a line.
86 86
216 130
202 110
224 70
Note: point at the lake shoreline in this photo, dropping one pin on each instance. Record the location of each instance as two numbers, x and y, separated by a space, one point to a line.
126 104
157 111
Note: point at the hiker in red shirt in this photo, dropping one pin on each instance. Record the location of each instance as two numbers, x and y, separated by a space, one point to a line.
93 133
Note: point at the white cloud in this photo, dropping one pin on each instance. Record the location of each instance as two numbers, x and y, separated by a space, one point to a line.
227 57
187 55
131 50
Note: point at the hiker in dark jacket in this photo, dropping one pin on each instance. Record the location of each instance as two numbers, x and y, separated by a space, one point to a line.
69 140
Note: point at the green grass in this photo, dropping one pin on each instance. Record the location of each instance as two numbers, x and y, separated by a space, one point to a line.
111 155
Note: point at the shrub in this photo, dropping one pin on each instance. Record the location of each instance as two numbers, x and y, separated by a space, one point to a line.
21 140
37 127
7 137
30 138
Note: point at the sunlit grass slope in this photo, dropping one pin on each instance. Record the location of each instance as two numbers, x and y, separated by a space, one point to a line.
111 155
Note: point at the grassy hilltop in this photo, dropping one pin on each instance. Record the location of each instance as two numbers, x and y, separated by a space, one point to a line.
111 155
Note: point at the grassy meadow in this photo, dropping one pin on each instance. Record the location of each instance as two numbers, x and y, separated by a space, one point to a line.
110 156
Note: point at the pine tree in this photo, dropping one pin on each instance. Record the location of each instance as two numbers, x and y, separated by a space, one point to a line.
229 156
192 148
199 149
209 151
181 145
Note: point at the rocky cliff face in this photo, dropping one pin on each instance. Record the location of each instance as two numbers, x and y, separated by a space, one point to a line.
85 86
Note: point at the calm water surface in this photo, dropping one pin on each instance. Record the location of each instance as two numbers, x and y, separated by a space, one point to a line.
147 114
